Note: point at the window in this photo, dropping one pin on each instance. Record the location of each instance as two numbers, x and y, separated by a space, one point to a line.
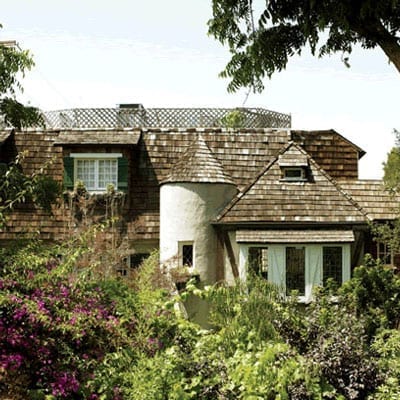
298 266
384 254
186 254
258 261
332 264
96 174
96 171
294 174
295 269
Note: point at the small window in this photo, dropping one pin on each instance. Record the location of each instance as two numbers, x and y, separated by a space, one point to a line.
295 269
332 264
258 261
384 254
186 254
294 174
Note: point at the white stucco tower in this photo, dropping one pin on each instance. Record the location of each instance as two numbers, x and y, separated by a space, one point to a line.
192 195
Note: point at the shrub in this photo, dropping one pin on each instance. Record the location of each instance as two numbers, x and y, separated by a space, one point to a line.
55 328
375 292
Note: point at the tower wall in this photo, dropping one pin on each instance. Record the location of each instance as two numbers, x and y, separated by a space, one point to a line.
186 213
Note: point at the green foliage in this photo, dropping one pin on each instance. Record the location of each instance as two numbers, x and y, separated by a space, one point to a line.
273 371
391 169
262 43
387 345
375 292
233 119
13 63
243 313
387 233
111 339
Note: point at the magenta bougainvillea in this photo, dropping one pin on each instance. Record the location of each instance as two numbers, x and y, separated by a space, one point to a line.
55 329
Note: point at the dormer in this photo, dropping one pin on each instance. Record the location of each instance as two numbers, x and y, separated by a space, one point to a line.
294 167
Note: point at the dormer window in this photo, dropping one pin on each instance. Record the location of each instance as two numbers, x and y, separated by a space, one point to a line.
294 173
96 171
293 167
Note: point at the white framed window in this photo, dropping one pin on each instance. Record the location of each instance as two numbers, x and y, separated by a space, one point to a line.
96 170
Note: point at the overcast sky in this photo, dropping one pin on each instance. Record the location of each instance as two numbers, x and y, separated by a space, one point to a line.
155 52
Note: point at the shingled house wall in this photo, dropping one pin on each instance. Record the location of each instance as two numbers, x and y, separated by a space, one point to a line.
38 152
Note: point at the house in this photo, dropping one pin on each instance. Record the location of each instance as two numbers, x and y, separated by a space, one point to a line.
284 203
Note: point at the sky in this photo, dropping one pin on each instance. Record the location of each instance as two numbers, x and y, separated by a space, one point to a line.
97 53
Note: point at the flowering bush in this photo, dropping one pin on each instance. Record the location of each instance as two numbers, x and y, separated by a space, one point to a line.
55 328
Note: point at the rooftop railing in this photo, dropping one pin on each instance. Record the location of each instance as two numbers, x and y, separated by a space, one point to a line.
127 117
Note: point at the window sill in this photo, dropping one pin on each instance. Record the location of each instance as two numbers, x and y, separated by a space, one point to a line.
293 180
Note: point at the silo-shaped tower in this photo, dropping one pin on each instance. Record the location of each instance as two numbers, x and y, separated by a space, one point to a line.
191 196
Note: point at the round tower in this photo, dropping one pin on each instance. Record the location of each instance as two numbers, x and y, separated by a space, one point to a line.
195 191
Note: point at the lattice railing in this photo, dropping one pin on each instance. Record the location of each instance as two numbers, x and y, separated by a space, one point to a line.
164 118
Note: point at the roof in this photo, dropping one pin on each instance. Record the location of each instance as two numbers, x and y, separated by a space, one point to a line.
289 159
270 199
249 157
295 236
198 164
372 196
104 136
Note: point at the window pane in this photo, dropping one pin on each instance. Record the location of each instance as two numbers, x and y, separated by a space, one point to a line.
107 173
295 269
258 261
332 264
85 172
187 255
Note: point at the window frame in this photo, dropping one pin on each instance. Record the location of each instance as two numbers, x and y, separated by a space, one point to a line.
301 178
181 244
96 157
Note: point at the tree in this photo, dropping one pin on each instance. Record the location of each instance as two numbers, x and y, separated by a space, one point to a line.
391 167
14 62
263 45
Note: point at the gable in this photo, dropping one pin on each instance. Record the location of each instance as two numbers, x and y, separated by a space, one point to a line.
269 199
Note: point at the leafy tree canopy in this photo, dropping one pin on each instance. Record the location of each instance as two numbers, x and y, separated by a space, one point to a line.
14 62
262 44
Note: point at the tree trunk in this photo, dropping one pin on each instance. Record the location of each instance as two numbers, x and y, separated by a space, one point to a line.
391 48
376 32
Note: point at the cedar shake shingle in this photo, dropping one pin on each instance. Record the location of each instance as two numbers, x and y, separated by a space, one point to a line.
372 196
295 236
198 164
270 199
105 136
